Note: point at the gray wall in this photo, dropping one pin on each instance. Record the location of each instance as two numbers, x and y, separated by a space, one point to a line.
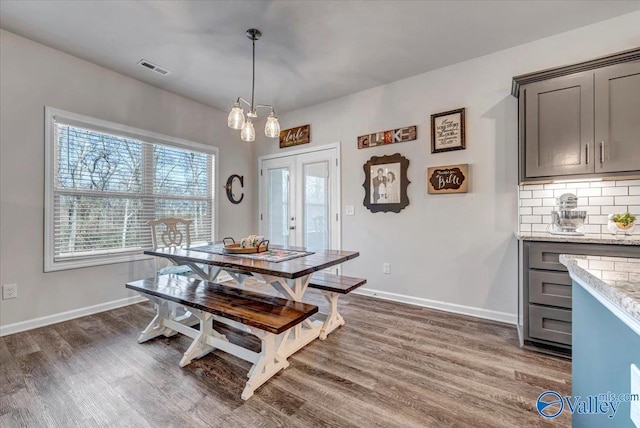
451 251
32 76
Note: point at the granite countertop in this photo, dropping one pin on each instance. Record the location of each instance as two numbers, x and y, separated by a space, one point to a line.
615 278
589 238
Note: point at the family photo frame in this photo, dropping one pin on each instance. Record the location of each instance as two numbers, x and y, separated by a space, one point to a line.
448 131
385 183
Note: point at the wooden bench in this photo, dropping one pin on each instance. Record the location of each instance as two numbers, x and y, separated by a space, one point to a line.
332 286
267 317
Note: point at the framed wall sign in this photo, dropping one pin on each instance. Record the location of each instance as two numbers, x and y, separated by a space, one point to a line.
447 131
295 136
391 136
448 179
385 183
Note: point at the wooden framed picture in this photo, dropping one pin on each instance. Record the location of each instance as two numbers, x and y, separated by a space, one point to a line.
447 131
448 179
385 183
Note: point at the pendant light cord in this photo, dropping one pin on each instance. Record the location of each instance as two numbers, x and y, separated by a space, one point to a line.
253 78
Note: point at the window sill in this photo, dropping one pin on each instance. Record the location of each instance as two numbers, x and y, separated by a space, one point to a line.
51 266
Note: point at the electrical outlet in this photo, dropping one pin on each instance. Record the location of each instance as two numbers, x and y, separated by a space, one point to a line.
635 389
349 210
386 268
9 291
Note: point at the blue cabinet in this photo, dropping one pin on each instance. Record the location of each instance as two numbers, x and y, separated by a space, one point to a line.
604 347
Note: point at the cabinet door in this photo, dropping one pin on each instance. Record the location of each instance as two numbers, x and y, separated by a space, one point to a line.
617 118
559 126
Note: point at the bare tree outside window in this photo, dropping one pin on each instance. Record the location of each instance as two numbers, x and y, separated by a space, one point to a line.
107 187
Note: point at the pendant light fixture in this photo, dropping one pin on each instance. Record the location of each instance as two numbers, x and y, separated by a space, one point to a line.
236 119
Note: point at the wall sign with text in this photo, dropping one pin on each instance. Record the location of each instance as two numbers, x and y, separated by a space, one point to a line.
448 179
399 135
295 136
447 131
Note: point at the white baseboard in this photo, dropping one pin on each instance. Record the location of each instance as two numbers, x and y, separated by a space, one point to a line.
443 306
69 315
434 304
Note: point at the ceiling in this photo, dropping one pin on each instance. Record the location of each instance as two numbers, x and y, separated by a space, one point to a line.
310 52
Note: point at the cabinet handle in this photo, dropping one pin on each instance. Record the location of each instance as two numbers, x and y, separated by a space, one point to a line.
586 146
601 151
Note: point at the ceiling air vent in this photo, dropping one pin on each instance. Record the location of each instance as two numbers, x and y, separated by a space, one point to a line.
153 67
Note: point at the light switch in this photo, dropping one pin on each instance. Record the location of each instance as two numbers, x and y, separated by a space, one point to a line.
349 210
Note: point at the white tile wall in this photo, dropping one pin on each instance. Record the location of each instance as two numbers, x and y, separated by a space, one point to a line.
598 198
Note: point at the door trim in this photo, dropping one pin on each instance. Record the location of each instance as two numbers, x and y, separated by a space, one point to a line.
338 178
299 152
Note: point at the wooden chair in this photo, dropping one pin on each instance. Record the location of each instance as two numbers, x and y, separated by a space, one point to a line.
171 232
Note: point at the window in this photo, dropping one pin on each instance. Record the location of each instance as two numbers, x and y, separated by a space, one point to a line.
105 181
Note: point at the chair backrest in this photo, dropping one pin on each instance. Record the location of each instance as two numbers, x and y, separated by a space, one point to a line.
170 232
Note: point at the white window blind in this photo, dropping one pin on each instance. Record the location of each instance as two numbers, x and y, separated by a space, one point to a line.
106 181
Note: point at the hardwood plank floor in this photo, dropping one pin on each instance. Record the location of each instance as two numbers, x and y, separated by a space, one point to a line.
391 365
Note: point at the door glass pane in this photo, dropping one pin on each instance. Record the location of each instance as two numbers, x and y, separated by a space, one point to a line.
316 205
278 206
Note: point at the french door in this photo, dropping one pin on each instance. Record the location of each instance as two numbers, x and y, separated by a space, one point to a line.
299 200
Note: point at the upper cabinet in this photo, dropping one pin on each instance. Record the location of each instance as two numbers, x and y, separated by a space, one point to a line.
580 121
617 118
558 126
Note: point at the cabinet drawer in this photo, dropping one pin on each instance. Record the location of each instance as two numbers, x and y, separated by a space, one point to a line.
550 324
550 288
546 256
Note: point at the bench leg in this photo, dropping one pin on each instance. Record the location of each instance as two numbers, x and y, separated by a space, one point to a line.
268 364
199 347
166 311
269 361
302 334
334 319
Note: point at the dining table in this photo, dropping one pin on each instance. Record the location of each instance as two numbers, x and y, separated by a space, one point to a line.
287 269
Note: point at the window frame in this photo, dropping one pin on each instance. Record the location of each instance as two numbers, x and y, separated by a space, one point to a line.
74 119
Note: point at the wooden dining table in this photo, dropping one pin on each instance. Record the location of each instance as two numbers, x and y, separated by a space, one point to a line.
289 277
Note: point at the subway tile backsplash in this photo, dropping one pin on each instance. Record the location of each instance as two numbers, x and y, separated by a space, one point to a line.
598 198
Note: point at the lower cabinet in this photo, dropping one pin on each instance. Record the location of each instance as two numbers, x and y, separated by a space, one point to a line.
546 297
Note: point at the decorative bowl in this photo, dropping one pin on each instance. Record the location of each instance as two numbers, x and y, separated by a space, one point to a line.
619 227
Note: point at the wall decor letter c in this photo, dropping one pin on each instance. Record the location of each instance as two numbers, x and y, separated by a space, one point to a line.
229 188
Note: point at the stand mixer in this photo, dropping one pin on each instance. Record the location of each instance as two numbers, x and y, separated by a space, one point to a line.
566 219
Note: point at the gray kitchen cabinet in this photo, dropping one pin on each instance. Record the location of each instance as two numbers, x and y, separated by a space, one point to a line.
545 297
559 126
617 118
581 120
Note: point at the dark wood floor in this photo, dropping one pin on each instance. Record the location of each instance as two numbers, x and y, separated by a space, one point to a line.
391 365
